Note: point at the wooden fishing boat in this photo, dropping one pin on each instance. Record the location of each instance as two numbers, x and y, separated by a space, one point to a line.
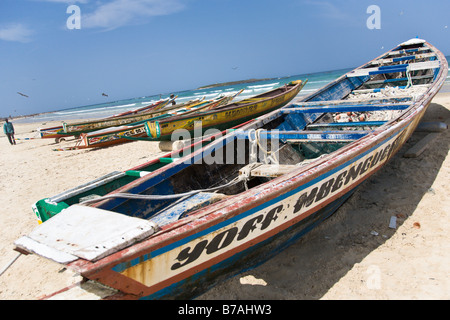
88 126
224 117
77 128
58 131
117 135
242 198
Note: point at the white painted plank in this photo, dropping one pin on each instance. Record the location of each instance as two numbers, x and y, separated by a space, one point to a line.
86 232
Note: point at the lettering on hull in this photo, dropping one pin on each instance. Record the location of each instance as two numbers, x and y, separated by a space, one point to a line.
241 234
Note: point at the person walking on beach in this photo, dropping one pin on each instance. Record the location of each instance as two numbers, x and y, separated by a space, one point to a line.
172 96
8 129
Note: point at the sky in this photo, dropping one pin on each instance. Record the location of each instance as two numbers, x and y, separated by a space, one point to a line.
59 57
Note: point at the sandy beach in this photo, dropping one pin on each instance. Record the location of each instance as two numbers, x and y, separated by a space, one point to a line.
352 255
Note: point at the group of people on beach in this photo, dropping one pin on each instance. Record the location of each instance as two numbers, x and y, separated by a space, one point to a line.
8 129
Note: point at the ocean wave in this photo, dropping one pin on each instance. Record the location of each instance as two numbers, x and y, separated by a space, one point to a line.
94 110
320 81
308 90
256 91
264 85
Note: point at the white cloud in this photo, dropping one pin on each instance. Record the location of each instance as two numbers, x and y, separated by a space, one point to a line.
118 13
16 32
327 9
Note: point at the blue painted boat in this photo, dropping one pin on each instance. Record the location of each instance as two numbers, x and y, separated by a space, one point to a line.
238 201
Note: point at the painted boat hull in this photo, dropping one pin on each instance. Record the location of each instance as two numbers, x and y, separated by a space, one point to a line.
188 255
246 259
186 268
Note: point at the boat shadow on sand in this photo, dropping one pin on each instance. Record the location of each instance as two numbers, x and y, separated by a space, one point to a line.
315 263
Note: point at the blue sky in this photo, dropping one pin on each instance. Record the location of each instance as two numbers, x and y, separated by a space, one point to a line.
134 48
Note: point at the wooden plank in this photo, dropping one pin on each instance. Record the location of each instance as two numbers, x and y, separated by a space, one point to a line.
404 58
268 170
388 70
396 68
398 79
85 232
435 128
421 146
403 51
346 108
397 99
306 135
347 124
424 65
297 141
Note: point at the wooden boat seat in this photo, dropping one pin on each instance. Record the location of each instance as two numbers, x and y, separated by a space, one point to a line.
375 82
308 136
405 51
395 68
404 58
346 124
346 107
266 170
384 100
271 170
184 207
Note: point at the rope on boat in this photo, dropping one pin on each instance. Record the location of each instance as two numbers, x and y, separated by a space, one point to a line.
163 197
408 75
269 156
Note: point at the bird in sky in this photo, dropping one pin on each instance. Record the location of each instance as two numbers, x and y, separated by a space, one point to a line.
24 95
